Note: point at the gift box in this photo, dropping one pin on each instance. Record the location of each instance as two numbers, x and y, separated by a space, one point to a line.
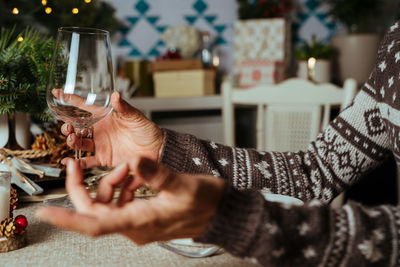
260 71
262 39
179 83
176 64
137 72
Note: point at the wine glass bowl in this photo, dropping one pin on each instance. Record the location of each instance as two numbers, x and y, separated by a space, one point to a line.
81 78
81 81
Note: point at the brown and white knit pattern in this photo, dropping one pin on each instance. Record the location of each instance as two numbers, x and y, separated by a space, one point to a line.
358 140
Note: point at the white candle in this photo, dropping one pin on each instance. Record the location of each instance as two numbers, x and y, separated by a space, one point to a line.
4 203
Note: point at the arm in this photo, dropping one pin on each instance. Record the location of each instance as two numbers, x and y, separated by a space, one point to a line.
311 235
352 144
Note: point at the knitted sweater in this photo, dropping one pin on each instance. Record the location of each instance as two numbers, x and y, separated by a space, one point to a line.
358 140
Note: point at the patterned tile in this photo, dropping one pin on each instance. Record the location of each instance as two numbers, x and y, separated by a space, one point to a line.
311 19
146 20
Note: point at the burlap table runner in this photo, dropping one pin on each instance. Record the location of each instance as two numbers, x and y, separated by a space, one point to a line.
51 246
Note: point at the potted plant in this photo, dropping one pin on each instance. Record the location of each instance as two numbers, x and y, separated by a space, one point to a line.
356 51
322 54
24 63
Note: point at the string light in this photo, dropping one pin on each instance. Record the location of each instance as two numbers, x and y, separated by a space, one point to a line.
75 11
48 10
15 11
20 39
88 1
44 2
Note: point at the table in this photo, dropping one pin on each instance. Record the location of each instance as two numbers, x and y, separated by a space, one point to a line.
51 246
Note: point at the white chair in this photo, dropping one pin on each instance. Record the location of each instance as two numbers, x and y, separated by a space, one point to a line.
289 114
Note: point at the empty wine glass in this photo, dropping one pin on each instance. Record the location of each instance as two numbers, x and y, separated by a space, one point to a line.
81 79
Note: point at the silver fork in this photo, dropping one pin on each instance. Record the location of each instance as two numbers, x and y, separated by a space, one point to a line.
191 254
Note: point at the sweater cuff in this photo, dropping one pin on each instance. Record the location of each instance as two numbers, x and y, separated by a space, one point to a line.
174 150
236 221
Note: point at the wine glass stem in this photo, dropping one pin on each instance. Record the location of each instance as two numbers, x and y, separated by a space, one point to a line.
78 151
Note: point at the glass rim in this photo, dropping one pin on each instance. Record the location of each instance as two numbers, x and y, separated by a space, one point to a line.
83 30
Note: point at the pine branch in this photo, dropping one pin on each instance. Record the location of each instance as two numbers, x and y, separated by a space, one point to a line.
24 68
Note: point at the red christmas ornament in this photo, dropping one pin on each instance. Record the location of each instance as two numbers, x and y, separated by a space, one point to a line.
20 223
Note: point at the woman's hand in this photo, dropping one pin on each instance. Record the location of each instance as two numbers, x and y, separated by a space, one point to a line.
125 134
182 208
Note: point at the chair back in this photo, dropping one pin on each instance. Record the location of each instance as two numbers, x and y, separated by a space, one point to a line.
289 114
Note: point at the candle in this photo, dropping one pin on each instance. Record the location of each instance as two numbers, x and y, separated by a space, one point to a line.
310 68
5 180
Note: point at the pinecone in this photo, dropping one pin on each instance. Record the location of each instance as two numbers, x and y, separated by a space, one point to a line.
13 201
7 227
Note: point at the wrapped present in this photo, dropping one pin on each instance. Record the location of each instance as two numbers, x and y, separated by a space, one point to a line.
262 39
180 83
254 72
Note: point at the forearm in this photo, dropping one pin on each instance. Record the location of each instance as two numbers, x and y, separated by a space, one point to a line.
333 162
311 235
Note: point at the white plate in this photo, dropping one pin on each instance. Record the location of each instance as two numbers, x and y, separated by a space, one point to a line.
282 199
183 241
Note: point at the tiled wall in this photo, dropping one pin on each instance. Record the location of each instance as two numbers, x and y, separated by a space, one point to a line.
146 20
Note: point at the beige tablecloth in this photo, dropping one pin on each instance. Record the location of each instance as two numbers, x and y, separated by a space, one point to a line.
51 246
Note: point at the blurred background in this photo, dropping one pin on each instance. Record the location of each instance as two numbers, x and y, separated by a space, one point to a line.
171 56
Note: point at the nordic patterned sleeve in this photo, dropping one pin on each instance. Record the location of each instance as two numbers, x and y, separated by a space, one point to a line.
351 145
273 234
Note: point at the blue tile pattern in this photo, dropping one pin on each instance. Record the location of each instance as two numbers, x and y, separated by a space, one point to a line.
311 18
150 18
142 14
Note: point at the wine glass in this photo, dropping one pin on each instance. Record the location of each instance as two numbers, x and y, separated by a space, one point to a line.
81 80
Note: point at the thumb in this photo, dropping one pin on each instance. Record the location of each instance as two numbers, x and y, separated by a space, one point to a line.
122 107
156 175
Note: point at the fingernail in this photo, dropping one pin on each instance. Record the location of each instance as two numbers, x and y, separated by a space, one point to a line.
147 167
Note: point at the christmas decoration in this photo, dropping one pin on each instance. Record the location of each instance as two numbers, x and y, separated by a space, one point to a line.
24 67
20 223
12 231
182 38
49 146
49 15
7 227
170 54
257 9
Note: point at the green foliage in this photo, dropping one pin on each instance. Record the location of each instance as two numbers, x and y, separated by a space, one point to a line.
257 9
24 68
359 16
96 14
315 48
